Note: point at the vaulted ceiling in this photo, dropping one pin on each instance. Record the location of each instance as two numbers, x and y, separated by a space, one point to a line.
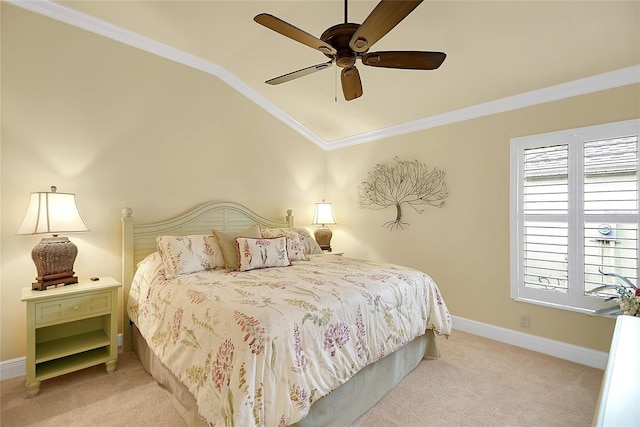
500 55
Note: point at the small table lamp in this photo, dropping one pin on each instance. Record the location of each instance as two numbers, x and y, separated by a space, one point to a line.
53 212
322 215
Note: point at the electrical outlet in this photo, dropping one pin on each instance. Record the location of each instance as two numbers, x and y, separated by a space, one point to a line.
525 321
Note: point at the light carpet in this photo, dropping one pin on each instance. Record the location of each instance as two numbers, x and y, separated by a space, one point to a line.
476 382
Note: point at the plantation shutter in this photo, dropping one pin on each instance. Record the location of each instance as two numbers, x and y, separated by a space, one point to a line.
574 214
610 210
546 209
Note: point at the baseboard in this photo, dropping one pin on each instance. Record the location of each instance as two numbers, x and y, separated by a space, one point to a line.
562 350
18 367
13 368
596 359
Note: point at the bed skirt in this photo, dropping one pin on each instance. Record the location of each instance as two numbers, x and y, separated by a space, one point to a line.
340 408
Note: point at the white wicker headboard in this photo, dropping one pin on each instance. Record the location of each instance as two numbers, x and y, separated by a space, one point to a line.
138 241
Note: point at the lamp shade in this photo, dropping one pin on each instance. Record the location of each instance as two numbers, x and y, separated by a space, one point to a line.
52 212
323 214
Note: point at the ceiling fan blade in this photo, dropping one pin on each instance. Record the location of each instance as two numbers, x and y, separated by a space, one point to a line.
294 33
299 73
351 83
386 15
411 60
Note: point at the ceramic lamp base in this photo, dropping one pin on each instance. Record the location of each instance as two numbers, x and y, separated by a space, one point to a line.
323 238
54 258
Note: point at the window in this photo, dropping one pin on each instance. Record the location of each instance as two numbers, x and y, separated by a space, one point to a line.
574 213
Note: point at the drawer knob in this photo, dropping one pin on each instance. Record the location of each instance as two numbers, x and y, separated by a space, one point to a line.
76 307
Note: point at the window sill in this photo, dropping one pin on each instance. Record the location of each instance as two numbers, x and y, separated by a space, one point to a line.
561 307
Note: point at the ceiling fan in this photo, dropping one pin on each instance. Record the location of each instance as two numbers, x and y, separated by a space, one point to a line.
344 43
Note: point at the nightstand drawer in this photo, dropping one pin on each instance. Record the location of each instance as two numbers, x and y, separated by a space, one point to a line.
67 308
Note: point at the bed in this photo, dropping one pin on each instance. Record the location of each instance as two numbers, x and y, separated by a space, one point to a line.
247 323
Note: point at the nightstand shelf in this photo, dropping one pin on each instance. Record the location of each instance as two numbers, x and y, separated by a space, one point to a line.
71 363
70 328
63 347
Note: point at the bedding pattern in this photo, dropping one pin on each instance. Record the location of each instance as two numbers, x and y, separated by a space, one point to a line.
257 348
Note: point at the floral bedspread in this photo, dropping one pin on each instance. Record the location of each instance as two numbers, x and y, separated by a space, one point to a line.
258 348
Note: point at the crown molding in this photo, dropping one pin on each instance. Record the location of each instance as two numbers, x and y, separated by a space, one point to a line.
600 82
610 80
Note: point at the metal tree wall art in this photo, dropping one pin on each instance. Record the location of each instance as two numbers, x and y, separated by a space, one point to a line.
402 182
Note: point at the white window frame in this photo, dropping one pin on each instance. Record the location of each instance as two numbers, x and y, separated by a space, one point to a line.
574 299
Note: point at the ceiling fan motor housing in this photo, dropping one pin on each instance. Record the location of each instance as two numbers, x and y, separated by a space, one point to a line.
339 37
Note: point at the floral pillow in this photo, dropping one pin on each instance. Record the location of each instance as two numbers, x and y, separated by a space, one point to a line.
226 241
188 254
311 247
262 253
295 247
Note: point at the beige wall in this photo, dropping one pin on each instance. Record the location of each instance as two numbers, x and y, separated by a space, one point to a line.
120 127
464 245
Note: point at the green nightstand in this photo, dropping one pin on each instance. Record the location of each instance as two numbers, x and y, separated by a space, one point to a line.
71 328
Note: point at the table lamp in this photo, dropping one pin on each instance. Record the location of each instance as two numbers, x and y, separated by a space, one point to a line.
53 213
322 215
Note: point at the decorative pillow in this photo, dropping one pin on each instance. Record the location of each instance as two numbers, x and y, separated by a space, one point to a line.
295 247
226 241
188 254
311 247
262 253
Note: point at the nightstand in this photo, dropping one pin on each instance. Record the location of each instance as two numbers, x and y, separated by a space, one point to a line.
71 328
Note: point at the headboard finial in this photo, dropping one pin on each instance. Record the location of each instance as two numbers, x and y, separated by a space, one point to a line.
289 218
127 212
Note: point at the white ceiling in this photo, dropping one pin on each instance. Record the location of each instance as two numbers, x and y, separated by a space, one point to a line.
496 51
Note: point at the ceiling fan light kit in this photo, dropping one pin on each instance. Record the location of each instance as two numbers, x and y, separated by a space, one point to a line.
344 43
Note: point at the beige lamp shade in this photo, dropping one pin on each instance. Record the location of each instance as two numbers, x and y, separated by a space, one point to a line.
322 215
53 213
